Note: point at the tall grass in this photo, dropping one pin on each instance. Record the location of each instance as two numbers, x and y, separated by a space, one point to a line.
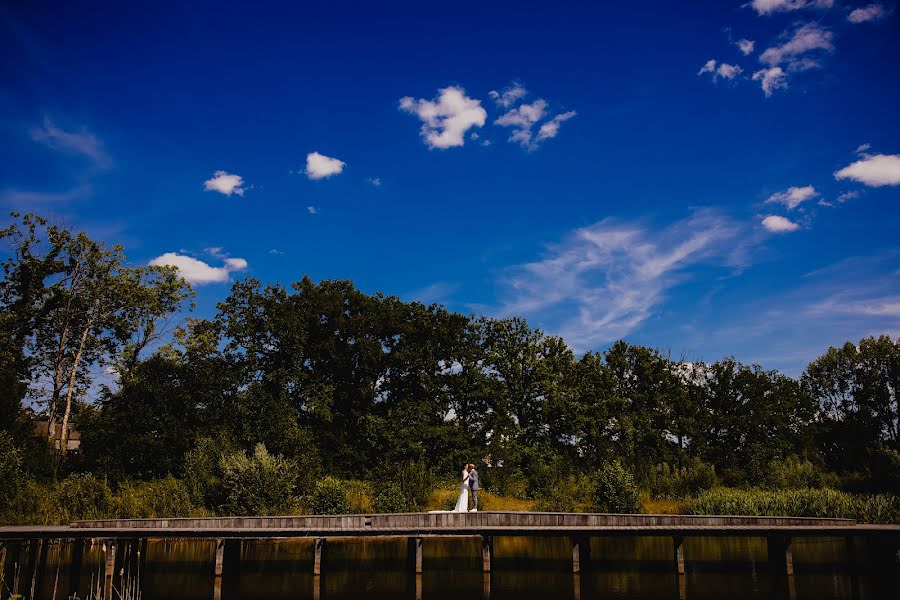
865 508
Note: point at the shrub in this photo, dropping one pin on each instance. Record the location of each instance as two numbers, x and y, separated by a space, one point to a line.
674 483
83 496
558 499
884 466
416 483
328 497
389 498
10 468
261 484
166 497
512 483
794 473
616 490
359 496
202 470
798 503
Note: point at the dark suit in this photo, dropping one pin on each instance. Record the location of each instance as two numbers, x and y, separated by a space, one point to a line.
473 487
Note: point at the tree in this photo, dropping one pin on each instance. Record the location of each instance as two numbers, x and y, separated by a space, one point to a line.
81 305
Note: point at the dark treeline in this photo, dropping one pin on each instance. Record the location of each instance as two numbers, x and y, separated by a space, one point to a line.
348 383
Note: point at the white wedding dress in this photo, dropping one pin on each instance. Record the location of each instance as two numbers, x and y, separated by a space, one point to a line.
462 503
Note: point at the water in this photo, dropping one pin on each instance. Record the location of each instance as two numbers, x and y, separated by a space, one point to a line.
379 568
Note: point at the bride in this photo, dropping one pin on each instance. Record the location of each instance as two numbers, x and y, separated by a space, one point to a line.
462 503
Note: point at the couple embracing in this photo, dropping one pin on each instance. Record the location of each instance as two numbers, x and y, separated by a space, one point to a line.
469 483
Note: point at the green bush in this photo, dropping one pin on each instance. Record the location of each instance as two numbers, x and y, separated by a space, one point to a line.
884 467
83 496
416 483
674 483
795 473
202 470
616 490
328 497
798 503
166 497
558 499
389 498
359 496
261 484
10 468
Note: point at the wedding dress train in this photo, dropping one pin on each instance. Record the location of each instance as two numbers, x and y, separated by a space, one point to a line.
462 503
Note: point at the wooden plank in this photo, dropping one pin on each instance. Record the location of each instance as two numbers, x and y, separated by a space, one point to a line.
109 569
679 554
317 566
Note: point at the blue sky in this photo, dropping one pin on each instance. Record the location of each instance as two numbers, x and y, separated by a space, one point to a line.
606 170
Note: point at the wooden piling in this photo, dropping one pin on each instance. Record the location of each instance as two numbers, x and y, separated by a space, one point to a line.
109 570
418 542
679 554
75 566
220 556
576 555
317 566
487 552
781 557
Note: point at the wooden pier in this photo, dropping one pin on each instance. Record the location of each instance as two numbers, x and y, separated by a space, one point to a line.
227 534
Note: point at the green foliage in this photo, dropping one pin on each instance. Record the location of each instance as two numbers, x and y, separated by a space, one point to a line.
795 472
666 482
556 499
10 467
202 470
884 468
389 498
616 490
798 503
166 497
84 496
260 484
416 482
328 497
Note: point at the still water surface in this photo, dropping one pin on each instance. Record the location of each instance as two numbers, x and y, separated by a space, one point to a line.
378 568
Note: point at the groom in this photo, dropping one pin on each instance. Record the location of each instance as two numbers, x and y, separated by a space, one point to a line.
473 485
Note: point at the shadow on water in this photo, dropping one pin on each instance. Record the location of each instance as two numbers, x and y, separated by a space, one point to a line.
380 568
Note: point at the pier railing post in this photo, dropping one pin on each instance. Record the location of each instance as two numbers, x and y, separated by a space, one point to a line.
75 566
679 554
220 556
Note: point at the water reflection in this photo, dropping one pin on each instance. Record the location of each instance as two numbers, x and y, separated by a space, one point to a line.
375 568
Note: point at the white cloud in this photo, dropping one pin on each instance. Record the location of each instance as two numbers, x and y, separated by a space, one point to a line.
225 183
809 37
884 306
82 142
197 271
778 224
745 46
374 181
509 96
863 148
312 210
551 128
793 196
771 80
522 119
768 7
447 118
276 252
844 196
602 281
723 70
874 170
319 166
872 12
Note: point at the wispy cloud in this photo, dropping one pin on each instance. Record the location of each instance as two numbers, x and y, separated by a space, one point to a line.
771 80
601 282
806 38
198 272
312 210
30 199
374 181
793 196
768 7
720 70
509 95
865 14
82 142
447 118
